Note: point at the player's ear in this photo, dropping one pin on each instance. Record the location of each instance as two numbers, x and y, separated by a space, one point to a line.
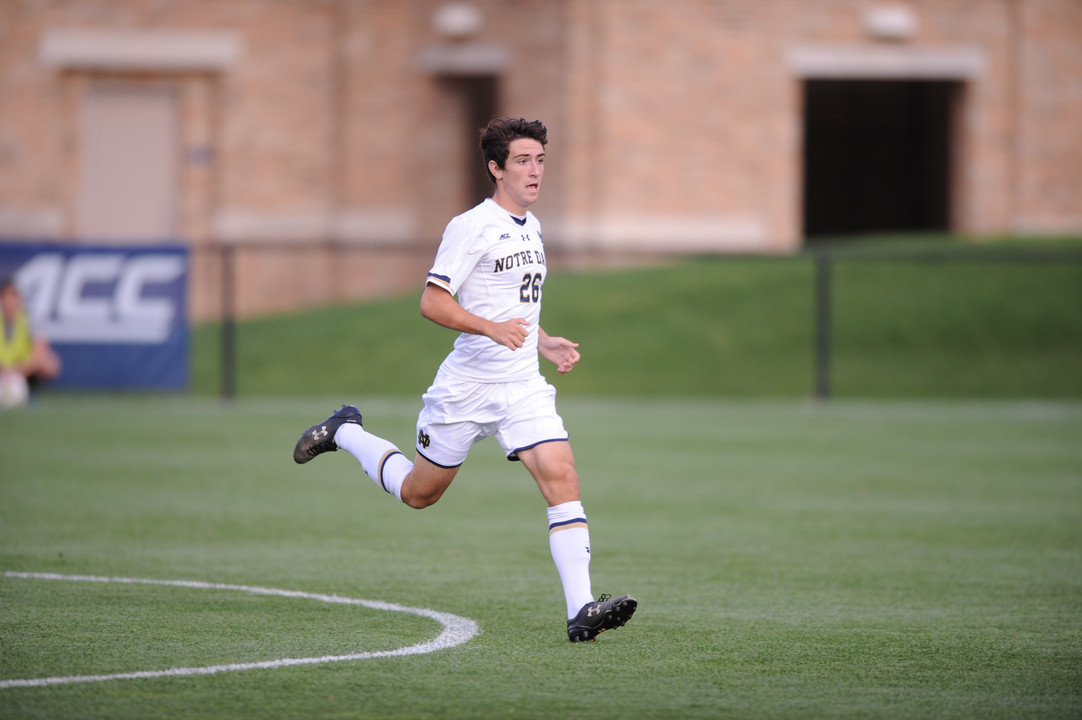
496 170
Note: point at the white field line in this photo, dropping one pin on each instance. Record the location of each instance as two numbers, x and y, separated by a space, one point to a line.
456 631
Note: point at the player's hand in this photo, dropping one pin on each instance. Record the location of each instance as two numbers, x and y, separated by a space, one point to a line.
510 333
560 351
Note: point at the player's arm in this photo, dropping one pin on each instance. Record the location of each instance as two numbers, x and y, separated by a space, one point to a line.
439 306
560 351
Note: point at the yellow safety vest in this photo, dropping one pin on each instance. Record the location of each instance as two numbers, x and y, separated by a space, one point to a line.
15 343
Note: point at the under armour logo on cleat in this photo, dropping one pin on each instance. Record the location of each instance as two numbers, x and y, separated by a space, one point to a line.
321 430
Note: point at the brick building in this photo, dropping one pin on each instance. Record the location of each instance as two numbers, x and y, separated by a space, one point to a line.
346 128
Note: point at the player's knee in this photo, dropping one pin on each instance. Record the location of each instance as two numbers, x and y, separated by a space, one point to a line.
563 483
566 474
419 500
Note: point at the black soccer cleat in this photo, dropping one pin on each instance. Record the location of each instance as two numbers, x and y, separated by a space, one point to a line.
597 617
319 438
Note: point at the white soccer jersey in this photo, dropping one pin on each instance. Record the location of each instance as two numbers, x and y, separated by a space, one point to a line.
495 263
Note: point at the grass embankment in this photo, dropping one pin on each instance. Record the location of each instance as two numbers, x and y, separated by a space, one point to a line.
978 327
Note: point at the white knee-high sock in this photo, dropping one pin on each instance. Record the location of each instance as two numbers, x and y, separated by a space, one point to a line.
569 541
383 462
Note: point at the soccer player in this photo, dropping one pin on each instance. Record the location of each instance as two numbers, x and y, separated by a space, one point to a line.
493 259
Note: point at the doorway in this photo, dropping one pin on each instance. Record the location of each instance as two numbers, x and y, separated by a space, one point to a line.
476 98
128 164
877 156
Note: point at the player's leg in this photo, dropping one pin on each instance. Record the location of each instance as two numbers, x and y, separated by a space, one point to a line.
534 434
417 484
553 466
442 447
425 483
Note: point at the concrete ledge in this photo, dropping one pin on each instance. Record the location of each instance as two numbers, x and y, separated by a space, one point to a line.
361 227
173 51
469 59
1048 225
31 223
886 63
662 234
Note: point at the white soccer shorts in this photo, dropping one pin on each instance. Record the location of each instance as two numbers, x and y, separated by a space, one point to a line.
460 413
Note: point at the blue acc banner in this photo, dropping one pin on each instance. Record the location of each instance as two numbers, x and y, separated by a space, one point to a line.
116 315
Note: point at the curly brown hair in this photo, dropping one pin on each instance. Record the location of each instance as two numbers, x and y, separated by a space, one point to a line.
496 138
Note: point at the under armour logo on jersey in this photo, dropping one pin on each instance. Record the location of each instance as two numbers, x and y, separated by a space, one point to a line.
422 439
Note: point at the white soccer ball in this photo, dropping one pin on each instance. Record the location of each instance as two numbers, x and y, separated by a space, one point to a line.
14 392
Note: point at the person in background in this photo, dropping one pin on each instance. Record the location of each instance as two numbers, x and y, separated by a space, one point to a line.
23 353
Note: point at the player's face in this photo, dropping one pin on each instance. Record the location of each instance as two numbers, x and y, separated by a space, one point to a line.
518 182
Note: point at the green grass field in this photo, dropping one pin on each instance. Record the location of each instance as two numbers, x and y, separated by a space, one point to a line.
792 560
